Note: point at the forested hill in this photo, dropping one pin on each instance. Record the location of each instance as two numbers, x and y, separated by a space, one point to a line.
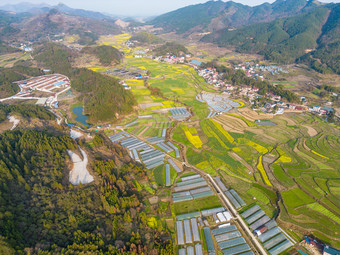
10 75
104 98
326 58
171 48
216 15
281 40
285 40
54 22
146 38
107 54
41 213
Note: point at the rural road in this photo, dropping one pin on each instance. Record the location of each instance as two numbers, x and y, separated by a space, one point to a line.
224 200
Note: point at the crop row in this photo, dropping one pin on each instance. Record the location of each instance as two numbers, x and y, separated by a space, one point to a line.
263 172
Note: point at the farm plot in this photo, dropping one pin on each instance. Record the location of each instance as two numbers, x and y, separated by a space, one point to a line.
252 115
231 123
117 41
191 135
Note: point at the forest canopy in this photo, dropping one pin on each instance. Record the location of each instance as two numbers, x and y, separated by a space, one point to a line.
41 213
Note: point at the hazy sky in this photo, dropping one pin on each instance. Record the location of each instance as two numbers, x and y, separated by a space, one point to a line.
134 7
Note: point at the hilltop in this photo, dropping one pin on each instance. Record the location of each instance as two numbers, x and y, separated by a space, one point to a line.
287 39
215 15
50 23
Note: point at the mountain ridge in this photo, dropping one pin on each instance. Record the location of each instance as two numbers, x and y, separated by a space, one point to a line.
41 8
214 15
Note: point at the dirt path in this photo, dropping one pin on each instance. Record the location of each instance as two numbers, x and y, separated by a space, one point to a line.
79 173
243 162
13 120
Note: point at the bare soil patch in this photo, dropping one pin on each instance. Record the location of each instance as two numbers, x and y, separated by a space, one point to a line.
311 131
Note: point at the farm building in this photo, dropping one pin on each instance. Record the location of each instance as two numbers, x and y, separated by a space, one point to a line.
45 83
330 251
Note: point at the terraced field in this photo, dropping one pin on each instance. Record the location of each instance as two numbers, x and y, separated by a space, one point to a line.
304 168
290 170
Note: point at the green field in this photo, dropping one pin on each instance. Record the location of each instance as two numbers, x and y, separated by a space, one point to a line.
307 166
259 162
196 205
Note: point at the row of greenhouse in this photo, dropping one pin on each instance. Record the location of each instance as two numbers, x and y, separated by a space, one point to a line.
139 150
226 235
179 113
191 188
229 239
168 147
231 194
190 250
270 235
187 231
217 103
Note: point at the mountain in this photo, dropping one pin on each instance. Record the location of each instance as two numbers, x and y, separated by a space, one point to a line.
24 7
55 22
41 8
282 40
326 58
215 15
285 40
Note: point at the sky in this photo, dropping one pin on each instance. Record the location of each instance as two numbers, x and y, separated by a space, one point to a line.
134 7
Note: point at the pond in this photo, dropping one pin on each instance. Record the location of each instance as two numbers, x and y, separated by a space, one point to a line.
80 117
266 123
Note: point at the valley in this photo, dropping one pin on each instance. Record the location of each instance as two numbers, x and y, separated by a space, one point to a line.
164 143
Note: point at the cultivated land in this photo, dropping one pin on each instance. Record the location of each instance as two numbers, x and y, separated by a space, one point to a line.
297 158
289 169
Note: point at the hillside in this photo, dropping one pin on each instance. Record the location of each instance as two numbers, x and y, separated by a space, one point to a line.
43 214
56 22
5 49
104 98
282 40
171 48
326 58
41 8
10 75
216 15
146 38
107 55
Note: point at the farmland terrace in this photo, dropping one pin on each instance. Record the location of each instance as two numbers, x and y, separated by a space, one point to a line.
280 181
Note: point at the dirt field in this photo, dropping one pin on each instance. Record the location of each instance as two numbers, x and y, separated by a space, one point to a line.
231 124
253 115
311 131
